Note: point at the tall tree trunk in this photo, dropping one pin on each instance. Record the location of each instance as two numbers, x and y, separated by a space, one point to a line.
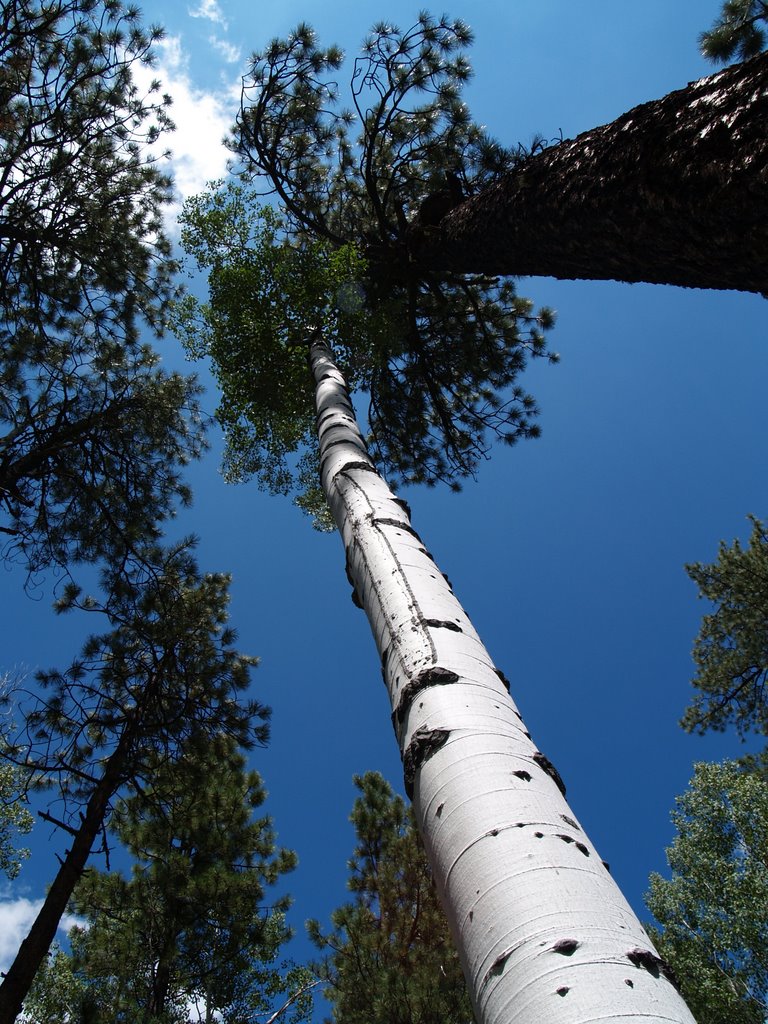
543 932
34 949
673 192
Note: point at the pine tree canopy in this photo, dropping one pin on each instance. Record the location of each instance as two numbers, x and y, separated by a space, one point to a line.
731 649
162 683
438 354
390 958
164 674
737 32
712 910
92 432
191 923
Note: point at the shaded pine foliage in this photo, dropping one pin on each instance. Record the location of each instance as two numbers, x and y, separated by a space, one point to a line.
390 958
162 679
92 432
190 926
712 911
438 354
731 649
739 31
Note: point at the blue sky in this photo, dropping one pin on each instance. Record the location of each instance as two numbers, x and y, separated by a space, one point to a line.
568 551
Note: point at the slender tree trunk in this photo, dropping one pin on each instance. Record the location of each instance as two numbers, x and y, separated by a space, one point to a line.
34 949
544 934
673 192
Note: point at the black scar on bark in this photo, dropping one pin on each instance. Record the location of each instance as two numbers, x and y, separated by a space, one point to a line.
443 624
522 774
655 965
366 466
504 680
355 596
424 743
398 524
498 964
327 445
570 821
434 676
563 991
403 505
566 947
546 765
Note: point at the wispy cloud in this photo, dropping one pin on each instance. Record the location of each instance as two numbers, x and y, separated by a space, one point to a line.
208 9
229 51
202 119
15 918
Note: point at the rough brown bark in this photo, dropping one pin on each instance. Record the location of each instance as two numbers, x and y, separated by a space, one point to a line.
673 192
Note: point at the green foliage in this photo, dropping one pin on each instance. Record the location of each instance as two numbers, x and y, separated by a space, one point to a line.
58 995
15 819
164 674
391 959
189 925
81 202
163 682
731 650
266 297
713 911
91 431
737 31
438 354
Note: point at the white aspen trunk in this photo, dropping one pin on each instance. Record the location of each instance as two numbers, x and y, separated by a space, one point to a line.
543 932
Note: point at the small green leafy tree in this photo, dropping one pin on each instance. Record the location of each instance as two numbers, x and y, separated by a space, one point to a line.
390 958
438 354
15 819
92 431
58 995
713 911
737 32
265 297
731 649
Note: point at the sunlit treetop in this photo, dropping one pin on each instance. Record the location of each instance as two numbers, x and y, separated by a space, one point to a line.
438 354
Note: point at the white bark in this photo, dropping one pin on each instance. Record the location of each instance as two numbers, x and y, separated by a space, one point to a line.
544 935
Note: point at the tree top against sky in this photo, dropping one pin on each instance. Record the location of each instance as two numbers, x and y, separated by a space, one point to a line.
437 353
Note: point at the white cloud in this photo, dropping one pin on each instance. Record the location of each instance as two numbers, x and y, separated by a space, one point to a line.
202 119
208 9
228 51
15 918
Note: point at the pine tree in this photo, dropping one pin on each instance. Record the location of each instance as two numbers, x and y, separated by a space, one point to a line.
164 675
442 362
731 649
92 432
671 192
390 958
712 910
737 32
190 925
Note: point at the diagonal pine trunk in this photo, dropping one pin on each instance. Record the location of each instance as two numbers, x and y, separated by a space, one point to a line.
673 192
18 979
544 935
